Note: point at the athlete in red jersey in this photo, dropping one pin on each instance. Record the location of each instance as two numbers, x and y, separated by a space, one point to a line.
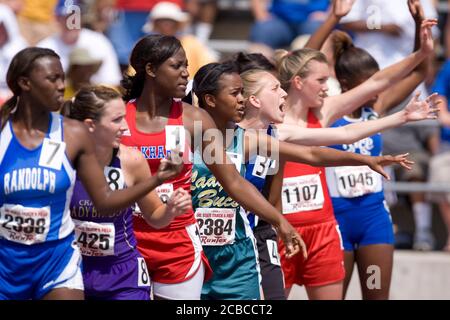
158 124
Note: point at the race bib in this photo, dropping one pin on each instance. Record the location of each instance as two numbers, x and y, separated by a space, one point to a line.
52 154
143 275
24 225
272 248
164 191
114 177
95 239
302 193
217 225
357 181
262 166
175 137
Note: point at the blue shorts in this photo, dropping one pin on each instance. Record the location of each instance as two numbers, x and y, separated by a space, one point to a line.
32 271
235 272
365 226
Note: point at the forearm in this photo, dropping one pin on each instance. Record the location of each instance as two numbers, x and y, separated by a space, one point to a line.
328 157
389 76
345 134
160 218
246 194
319 37
114 201
259 9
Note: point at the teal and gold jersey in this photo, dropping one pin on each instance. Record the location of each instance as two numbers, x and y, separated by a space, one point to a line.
221 220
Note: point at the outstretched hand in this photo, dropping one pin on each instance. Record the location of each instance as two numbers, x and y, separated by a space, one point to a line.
377 163
417 110
342 7
426 36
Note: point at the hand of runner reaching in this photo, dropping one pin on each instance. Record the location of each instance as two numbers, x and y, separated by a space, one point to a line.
291 239
342 7
417 110
179 203
377 163
170 166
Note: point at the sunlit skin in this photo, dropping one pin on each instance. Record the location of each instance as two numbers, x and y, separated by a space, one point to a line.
111 125
172 75
270 99
228 104
314 85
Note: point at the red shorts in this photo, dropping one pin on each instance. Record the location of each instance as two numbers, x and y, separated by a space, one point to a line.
325 262
171 256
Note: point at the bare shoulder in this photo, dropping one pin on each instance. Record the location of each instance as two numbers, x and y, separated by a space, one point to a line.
192 114
76 136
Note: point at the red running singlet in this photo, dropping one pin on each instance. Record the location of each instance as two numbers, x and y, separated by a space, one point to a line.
305 195
153 147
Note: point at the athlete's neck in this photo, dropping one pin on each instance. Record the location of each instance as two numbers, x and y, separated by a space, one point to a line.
103 154
253 120
296 111
153 103
30 118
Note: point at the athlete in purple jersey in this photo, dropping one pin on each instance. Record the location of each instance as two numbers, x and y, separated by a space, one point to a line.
113 269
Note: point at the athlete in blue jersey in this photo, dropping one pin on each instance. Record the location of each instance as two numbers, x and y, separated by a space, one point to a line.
39 152
357 195
113 268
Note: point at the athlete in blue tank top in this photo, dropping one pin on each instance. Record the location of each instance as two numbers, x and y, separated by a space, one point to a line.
357 193
35 190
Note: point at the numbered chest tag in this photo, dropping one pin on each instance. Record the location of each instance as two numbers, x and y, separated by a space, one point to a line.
175 137
272 248
24 225
357 181
52 154
164 191
236 158
302 193
143 275
95 239
262 166
114 177
217 225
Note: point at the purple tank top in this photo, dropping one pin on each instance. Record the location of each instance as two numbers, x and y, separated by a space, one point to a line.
108 239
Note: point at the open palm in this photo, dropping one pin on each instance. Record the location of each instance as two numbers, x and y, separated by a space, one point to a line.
342 7
420 110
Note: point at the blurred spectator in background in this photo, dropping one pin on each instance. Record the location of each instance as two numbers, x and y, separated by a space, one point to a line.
203 14
82 66
98 14
126 29
72 36
11 42
37 19
277 25
386 30
440 164
166 18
